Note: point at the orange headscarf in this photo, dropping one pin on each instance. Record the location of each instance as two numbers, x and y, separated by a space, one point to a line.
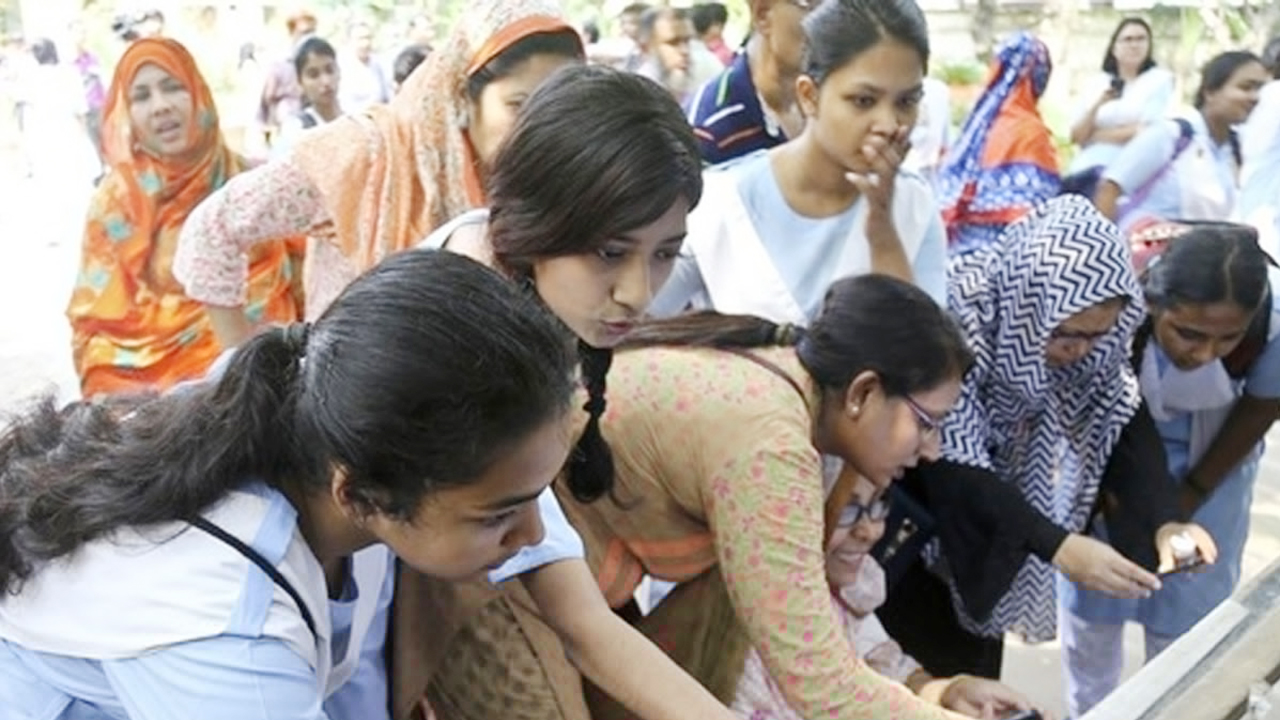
132 326
394 173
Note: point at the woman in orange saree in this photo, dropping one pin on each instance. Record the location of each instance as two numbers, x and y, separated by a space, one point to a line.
133 328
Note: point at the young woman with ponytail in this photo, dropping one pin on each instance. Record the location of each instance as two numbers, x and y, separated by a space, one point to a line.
726 432
224 550
588 202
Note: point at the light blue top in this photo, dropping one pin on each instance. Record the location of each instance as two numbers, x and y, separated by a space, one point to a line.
1185 598
238 675
1150 152
799 246
804 249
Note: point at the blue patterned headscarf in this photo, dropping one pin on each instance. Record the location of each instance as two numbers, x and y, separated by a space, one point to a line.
1004 160
1049 431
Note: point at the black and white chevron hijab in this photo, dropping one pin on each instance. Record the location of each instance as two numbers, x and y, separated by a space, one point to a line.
1048 430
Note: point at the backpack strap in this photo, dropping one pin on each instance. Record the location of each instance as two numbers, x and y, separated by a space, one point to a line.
1186 133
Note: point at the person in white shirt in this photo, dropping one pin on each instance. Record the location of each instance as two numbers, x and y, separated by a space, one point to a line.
1130 93
1259 202
316 63
237 535
365 81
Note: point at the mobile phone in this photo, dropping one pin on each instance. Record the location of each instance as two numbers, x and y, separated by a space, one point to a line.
1117 85
1184 567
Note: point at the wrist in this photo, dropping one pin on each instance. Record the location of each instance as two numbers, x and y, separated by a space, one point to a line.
1061 558
1196 485
880 229
936 689
917 681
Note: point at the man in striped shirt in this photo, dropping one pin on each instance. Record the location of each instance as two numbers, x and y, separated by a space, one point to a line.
752 104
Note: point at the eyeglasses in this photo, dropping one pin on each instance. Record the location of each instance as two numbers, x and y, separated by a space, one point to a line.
853 513
1066 334
1131 39
929 425
805 5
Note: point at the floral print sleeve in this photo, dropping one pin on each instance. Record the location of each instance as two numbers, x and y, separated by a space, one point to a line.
272 202
764 507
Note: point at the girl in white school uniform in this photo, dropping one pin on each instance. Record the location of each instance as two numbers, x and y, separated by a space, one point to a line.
226 551
1131 93
1187 169
776 228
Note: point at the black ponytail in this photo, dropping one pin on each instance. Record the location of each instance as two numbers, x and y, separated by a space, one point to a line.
869 322
72 476
590 471
422 373
713 330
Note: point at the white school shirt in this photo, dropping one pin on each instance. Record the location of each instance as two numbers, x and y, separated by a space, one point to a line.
725 265
1259 203
1201 184
171 622
1145 99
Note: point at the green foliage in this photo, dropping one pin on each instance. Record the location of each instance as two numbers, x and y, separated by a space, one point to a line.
959 73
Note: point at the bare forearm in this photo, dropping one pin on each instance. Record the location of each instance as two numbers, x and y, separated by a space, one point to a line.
1244 428
638 675
887 254
918 682
1107 199
1082 131
230 325
611 653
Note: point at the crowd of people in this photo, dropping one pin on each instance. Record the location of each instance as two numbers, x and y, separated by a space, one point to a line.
399 422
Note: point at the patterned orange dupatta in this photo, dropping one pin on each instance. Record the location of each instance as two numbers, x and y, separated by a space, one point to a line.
132 327
408 166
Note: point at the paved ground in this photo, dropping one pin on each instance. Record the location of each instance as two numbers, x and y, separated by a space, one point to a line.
39 246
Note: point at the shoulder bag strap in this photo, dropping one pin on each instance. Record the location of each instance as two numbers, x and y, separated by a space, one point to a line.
256 558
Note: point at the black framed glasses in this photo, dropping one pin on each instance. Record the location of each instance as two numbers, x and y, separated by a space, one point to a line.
875 511
1066 334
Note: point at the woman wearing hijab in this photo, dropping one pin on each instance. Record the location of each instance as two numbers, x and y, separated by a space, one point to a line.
1048 419
371 184
1005 160
132 326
